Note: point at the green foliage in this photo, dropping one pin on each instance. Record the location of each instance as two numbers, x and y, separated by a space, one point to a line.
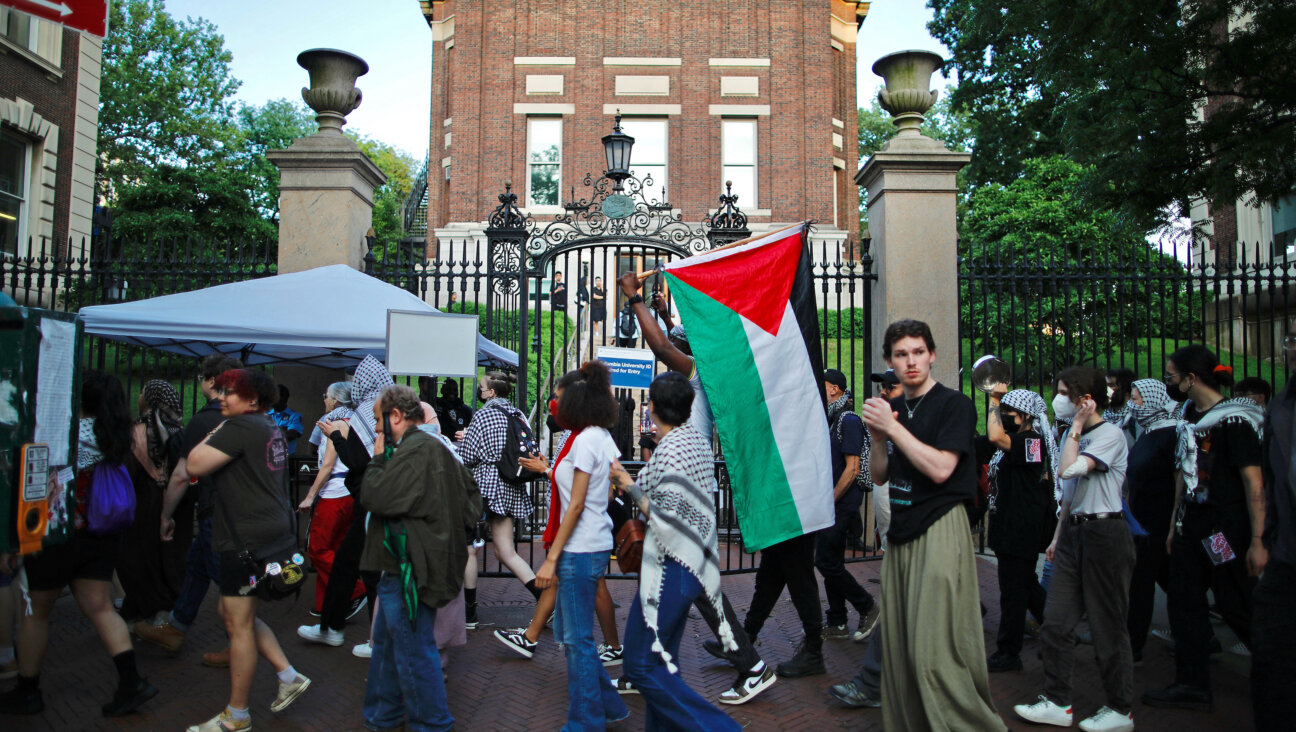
1060 282
848 323
274 125
389 198
204 202
164 94
942 122
1118 86
504 331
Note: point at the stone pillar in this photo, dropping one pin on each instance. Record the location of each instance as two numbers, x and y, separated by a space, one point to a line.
326 187
912 215
326 183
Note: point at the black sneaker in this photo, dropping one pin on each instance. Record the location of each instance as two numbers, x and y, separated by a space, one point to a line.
868 623
713 647
357 605
517 641
22 701
1000 662
805 663
748 686
1180 696
850 695
126 700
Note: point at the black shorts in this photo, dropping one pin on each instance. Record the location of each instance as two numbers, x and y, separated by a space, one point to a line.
234 574
84 556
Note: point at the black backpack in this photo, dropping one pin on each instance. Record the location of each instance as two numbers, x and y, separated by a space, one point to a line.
519 442
626 323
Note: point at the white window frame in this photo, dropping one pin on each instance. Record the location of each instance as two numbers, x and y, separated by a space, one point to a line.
531 204
628 124
747 201
24 201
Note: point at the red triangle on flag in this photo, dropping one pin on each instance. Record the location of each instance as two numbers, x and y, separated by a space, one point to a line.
755 283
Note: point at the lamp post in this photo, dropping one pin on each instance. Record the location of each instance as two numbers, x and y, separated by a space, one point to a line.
616 148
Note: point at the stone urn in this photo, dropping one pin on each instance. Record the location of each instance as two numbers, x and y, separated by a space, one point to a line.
332 93
907 95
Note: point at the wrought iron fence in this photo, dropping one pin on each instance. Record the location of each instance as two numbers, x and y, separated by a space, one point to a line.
1041 313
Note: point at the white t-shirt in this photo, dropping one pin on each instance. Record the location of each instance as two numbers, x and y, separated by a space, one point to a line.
336 485
1099 490
592 452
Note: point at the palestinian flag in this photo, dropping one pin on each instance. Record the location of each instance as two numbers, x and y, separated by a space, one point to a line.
750 314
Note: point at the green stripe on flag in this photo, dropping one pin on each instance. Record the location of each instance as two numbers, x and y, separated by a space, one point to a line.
762 493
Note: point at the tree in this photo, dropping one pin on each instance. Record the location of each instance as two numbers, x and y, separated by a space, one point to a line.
165 94
389 198
941 122
1057 281
205 204
274 125
1119 87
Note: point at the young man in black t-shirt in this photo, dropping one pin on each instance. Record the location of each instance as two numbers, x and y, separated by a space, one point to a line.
932 638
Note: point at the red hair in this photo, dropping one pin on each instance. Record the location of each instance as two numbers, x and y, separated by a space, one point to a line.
250 386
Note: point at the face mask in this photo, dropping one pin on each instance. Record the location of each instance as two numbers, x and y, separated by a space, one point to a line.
1063 409
481 399
1175 392
1111 393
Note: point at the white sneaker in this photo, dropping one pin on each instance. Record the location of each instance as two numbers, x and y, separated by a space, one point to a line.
320 634
289 692
1045 712
362 650
1239 649
1109 720
748 686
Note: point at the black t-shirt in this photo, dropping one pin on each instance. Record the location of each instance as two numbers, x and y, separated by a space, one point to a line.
203 422
558 296
847 438
251 491
453 415
945 420
1022 523
1150 480
1221 454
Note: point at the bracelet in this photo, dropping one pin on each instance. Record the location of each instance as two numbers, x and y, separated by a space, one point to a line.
635 299
1074 436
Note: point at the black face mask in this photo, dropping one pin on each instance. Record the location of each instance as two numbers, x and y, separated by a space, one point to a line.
552 424
1174 392
481 399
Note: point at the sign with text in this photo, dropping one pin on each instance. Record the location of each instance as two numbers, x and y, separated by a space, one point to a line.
90 16
632 368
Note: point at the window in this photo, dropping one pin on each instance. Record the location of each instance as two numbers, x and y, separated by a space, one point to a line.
648 157
13 192
40 37
544 160
1284 226
738 152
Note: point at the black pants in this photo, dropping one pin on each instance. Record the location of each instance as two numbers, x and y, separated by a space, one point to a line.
839 584
346 569
788 564
1151 568
1273 646
1191 574
746 656
1019 591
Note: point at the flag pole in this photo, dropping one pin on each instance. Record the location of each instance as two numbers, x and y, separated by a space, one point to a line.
751 239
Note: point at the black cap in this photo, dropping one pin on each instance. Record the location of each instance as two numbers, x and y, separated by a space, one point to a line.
836 378
885 377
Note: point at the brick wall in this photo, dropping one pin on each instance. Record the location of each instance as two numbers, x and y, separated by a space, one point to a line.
54 98
805 85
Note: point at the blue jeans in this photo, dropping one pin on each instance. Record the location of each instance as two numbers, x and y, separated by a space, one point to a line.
671 704
405 681
592 699
201 569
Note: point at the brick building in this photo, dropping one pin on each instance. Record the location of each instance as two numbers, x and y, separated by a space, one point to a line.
761 93
49 111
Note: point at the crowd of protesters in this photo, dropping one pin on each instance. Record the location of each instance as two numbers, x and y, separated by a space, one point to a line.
1116 484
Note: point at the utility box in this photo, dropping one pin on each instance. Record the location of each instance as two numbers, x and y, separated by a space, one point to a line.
40 395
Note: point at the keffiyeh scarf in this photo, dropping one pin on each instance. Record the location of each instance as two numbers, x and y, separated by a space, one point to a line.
1031 404
161 419
371 377
1231 411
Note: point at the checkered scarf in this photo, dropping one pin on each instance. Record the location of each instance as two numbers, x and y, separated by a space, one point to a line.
1031 404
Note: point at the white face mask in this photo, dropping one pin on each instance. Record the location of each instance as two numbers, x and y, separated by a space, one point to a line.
1063 409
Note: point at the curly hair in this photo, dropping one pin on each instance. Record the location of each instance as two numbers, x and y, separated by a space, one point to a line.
587 401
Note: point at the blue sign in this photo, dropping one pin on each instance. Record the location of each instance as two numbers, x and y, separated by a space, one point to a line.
632 368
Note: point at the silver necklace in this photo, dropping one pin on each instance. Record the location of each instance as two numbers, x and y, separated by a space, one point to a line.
915 407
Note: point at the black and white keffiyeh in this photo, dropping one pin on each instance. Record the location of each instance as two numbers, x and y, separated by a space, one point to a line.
1231 411
678 483
1031 404
371 377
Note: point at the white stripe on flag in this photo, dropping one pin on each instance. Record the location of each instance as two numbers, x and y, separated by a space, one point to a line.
797 417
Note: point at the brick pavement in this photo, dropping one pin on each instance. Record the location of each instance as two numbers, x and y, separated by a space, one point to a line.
491 688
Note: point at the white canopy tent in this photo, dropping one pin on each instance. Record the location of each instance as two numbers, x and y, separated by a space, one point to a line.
328 316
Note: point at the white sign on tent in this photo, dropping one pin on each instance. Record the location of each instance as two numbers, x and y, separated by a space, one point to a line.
431 344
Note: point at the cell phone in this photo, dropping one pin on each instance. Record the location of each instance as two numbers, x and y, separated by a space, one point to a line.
389 443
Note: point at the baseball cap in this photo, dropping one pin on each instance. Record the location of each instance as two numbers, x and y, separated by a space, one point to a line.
885 377
836 378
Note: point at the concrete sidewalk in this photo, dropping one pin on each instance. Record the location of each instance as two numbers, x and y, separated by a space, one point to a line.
491 688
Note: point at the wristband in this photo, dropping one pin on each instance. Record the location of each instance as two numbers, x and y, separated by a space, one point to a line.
635 299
